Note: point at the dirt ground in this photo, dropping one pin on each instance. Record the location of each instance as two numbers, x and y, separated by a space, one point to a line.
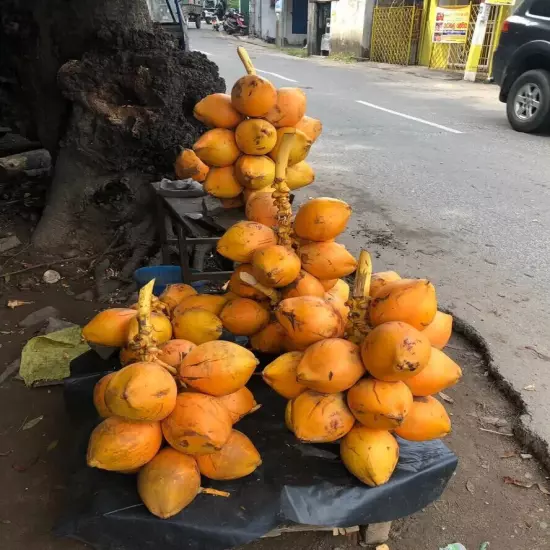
476 507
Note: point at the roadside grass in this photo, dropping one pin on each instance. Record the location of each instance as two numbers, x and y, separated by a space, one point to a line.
296 52
343 57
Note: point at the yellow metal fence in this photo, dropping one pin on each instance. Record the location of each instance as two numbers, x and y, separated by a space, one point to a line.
453 57
395 33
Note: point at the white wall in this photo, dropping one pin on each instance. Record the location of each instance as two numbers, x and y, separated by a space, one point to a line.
265 19
347 24
266 23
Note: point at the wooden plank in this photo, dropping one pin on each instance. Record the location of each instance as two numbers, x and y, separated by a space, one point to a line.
296 528
375 533
14 165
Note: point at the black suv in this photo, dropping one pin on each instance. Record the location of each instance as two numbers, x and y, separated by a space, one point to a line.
521 66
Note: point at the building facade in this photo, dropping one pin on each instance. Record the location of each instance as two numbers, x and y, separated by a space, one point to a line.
292 21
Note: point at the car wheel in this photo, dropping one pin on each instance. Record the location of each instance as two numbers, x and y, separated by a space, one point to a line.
528 104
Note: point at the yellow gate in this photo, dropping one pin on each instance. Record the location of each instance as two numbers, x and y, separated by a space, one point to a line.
453 57
395 32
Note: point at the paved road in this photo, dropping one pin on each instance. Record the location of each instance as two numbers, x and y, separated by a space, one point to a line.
441 187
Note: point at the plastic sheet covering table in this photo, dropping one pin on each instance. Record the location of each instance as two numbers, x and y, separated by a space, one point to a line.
297 483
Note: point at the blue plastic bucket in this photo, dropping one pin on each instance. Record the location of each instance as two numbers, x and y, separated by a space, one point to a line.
164 275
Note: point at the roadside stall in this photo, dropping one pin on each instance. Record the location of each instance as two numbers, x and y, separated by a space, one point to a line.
298 396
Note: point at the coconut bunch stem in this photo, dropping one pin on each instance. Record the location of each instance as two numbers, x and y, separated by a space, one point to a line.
271 293
247 62
214 492
157 305
144 343
281 195
358 325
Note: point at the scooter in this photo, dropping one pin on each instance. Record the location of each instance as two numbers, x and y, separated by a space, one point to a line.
208 16
233 22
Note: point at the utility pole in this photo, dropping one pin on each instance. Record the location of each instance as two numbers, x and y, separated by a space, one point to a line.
477 42
279 6
252 18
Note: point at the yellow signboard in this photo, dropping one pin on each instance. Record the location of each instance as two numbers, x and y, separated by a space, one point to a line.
501 2
451 25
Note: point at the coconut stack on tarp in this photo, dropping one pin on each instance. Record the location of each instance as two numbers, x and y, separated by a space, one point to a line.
358 366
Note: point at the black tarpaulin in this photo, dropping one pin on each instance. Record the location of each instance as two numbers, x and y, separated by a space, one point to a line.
297 483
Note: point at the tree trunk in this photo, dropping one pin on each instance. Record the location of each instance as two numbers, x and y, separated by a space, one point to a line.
109 95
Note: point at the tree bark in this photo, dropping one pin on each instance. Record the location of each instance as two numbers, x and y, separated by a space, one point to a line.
39 36
110 96
11 144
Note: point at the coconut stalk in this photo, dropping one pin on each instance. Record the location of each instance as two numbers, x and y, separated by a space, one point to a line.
358 323
281 195
271 293
144 342
247 62
214 492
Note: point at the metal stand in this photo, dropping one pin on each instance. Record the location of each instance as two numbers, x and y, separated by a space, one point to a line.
184 210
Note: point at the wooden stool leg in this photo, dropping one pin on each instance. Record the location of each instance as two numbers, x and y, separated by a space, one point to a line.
375 533
161 226
184 256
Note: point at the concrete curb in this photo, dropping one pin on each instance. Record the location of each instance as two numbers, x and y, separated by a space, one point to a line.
522 430
253 42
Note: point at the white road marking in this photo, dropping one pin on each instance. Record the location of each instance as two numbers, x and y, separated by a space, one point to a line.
277 75
409 117
205 53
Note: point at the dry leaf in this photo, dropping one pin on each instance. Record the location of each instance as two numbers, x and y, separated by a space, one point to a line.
446 398
12 304
530 387
470 487
495 421
526 484
32 423
518 482
25 467
511 454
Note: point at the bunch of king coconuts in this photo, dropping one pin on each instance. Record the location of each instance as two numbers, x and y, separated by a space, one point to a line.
234 160
358 366
162 394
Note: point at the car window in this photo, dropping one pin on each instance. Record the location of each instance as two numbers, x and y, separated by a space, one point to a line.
540 8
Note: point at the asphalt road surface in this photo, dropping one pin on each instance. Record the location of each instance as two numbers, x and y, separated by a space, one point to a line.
442 188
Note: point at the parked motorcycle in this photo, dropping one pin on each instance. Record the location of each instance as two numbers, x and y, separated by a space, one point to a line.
208 16
233 22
